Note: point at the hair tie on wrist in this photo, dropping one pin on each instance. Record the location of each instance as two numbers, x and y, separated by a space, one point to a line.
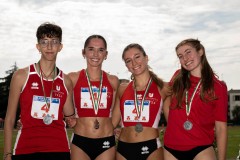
70 115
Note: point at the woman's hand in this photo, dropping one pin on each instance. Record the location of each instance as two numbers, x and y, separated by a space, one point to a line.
71 121
19 124
117 132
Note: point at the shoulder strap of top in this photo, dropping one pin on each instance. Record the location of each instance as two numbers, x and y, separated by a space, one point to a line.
32 68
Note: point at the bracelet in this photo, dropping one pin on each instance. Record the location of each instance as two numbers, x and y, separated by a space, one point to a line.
6 154
70 115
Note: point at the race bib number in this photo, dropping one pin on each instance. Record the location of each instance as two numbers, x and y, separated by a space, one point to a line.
130 113
40 108
86 100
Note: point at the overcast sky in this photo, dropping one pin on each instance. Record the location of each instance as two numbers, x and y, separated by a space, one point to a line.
158 25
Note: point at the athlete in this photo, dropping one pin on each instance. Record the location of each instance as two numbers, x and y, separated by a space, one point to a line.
198 108
45 96
139 105
94 94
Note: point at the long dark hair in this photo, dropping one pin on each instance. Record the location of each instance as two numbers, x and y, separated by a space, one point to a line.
181 81
155 78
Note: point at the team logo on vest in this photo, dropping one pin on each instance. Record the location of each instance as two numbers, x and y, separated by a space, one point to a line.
57 92
150 95
139 96
34 85
106 144
58 88
145 150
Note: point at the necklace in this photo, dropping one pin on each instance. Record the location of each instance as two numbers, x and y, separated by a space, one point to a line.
187 125
46 76
47 119
95 101
140 107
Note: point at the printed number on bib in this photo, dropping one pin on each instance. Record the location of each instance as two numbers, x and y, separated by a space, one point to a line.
40 109
86 101
45 108
130 113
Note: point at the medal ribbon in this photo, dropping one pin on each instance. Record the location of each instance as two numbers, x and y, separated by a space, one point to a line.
43 89
188 106
97 102
139 108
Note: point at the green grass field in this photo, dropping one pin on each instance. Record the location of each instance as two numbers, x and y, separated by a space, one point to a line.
232 150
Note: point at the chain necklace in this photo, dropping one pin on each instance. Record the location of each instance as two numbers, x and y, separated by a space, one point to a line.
47 76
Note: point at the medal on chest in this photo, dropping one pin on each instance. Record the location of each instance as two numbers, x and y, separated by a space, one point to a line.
138 127
95 99
140 106
47 119
187 125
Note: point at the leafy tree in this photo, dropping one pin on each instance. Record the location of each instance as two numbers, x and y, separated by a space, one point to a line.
236 114
4 89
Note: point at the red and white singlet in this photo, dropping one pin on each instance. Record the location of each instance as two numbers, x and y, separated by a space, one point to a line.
151 111
82 98
35 136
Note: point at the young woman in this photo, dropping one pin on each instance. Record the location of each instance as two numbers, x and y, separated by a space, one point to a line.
139 106
45 96
94 94
198 108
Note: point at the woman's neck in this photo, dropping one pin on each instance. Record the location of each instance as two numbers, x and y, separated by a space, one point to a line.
197 71
46 69
94 73
196 74
141 82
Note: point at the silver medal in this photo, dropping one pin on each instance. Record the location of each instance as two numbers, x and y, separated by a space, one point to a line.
47 119
187 125
138 127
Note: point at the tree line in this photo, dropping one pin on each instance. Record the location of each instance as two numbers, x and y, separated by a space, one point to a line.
4 89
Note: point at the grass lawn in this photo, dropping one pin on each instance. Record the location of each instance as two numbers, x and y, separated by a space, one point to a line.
233 142
232 150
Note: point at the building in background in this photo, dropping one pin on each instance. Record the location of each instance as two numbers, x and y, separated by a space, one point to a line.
233 101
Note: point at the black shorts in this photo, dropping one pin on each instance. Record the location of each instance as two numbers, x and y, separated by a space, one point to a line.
93 147
139 150
43 156
187 155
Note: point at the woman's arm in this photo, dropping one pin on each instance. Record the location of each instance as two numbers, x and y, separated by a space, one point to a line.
221 137
167 99
17 82
114 81
166 105
116 116
68 109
